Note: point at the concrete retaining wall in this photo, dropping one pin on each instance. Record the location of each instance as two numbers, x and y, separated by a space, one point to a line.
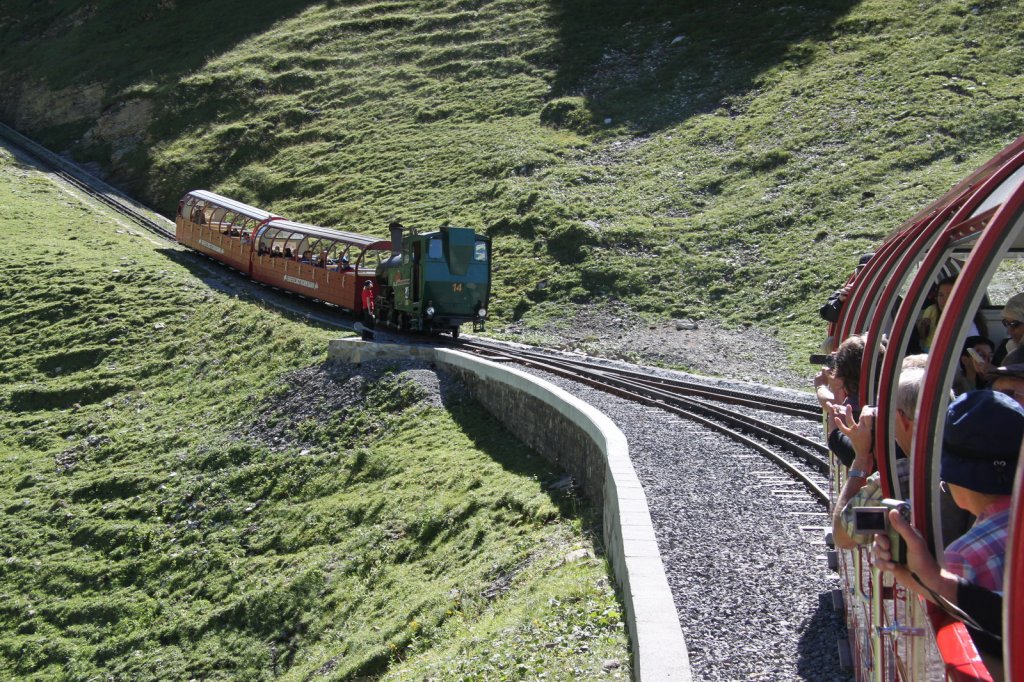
589 446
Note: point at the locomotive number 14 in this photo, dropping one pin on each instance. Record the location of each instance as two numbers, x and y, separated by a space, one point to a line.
457 287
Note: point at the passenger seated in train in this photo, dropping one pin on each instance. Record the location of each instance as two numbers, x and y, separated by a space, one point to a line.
862 487
970 374
980 609
288 252
1013 322
307 256
929 318
841 386
1009 379
276 253
980 448
321 260
344 264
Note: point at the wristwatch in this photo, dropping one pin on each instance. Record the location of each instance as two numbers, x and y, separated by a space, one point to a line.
857 473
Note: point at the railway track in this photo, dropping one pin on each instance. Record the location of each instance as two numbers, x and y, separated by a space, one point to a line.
93 187
804 459
127 211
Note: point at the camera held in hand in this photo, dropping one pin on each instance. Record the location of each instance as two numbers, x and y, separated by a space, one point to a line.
827 360
875 519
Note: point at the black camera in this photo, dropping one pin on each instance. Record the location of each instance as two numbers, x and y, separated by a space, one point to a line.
827 360
875 519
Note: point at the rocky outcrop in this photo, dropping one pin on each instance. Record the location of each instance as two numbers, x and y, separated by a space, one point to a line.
33 106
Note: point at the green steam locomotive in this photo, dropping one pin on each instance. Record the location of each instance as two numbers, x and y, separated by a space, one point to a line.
434 282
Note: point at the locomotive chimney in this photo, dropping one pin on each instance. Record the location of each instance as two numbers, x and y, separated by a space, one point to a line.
396 237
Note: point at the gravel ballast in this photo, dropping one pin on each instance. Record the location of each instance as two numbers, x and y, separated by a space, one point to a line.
751 587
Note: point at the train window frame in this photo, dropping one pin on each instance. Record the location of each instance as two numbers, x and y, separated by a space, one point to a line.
372 258
481 255
999 194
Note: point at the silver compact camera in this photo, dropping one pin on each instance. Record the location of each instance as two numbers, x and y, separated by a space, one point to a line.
875 519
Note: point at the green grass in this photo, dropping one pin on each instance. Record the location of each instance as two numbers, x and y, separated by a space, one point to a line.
170 512
690 159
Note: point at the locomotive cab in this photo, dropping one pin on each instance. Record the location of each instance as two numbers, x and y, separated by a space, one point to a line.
435 281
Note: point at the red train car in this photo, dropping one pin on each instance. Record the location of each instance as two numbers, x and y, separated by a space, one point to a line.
318 262
221 228
329 265
975 232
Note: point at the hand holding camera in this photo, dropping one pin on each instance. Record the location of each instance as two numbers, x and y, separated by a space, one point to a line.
875 521
828 361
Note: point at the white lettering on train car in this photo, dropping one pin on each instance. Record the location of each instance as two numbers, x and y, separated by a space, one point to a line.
211 247
301 282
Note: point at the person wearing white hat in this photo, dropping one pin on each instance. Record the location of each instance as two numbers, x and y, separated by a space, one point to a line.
1013 321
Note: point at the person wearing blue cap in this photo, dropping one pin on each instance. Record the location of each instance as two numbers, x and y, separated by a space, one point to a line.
980 449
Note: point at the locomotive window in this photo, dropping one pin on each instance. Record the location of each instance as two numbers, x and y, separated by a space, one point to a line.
434 249
480 252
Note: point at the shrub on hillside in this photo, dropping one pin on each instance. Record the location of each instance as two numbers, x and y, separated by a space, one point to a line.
570 113
566 241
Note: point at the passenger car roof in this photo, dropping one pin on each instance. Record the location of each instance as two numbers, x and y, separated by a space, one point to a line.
231 204
361 240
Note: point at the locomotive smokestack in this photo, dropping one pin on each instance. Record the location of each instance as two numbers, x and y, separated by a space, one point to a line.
396 237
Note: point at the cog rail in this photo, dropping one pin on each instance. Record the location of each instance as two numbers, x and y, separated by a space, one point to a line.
810 467
73 175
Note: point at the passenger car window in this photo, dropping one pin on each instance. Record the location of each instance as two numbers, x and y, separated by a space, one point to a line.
480 252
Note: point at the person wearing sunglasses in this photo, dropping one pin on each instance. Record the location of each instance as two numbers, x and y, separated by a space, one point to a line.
1013 322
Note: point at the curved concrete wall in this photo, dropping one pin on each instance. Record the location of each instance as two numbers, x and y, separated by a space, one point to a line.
589 446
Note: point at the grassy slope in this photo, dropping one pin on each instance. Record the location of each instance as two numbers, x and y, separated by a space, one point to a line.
754 149
148 533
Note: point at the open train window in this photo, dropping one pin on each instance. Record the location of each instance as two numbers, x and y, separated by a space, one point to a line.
374 257
480 252
1008 281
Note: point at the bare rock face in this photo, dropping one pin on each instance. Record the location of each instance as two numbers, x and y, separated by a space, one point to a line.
36 106
123 127
125 120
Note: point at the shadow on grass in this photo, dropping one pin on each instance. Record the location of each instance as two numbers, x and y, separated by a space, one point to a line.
166 40
652 64
491 437
228 281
